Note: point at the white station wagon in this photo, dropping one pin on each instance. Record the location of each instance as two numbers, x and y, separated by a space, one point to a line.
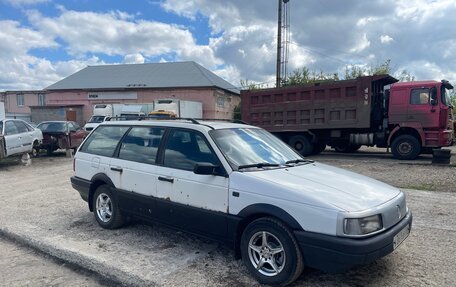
240 185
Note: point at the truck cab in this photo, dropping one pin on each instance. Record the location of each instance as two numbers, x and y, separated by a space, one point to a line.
421 110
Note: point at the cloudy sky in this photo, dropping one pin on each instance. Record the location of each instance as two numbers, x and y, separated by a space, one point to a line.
43 41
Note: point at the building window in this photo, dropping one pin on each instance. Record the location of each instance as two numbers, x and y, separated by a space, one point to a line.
20 99
221 102
41 99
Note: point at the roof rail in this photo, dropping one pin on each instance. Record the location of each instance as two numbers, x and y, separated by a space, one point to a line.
192 120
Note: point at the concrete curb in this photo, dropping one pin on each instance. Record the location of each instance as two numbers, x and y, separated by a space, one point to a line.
112 276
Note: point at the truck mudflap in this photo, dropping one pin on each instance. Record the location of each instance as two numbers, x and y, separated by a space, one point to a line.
2 147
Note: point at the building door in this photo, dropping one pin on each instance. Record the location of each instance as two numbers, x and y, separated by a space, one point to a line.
70 115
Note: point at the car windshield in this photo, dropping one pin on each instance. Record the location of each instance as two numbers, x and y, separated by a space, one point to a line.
96 119
251 147
52 127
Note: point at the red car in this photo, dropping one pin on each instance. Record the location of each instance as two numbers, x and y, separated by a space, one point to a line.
61 135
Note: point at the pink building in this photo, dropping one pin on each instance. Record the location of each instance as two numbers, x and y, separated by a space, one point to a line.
74 97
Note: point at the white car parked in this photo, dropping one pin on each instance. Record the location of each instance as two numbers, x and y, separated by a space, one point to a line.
241 185
18 137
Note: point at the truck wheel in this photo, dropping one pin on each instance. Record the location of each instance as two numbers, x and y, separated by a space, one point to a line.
405 147
106 209
301 144
270 252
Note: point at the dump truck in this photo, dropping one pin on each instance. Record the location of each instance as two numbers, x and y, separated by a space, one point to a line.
410 118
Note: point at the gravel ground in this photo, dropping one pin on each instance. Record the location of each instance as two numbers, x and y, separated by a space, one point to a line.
39 208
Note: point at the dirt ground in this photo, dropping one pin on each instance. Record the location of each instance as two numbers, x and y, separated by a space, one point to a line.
39 208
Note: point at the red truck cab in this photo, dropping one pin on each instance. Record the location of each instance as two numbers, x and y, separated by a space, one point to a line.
421 110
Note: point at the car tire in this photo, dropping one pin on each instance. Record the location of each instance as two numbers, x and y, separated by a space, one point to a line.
301 144
269 242
405 147
106 208
36 149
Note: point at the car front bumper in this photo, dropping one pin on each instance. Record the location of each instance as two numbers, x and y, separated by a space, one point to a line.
336 254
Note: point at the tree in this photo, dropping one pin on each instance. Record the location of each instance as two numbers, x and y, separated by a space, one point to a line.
405 76
453 101
237 115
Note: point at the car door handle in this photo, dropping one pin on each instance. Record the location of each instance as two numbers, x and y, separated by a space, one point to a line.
119 169
168 179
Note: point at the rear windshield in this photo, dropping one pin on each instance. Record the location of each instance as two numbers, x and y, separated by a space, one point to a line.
52 127
97 119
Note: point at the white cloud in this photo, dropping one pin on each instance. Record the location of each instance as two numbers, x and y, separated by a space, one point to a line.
385 39
361 45
117 33
133 59
19 3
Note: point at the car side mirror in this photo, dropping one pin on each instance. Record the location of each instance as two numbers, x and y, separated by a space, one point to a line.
205 168
433 102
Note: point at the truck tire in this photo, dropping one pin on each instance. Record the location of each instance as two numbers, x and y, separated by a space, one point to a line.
405 147
301 144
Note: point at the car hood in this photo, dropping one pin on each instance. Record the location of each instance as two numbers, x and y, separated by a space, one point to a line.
318 185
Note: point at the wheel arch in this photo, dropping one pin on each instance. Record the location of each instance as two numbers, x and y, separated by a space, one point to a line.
256 211
413 130
98 180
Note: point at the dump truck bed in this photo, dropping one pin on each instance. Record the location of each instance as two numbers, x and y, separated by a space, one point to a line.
326 105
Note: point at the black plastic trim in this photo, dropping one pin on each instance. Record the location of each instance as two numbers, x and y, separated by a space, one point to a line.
82 186
271 210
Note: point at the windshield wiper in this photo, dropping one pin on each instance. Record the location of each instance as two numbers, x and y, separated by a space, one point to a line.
258 165
299 160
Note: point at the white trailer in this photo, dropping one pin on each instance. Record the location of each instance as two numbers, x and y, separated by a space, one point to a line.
177 108
103 112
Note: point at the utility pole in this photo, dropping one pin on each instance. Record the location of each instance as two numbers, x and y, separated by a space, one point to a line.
282 45
279 44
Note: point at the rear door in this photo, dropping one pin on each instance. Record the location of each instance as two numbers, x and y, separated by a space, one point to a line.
195 202
138 172
25 135
13 142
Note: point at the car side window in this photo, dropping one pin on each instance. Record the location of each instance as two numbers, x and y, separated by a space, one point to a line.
21 127
72 127
141 144
419 97
10 128
103 141
185 148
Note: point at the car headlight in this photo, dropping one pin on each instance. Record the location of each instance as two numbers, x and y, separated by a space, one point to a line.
361 226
